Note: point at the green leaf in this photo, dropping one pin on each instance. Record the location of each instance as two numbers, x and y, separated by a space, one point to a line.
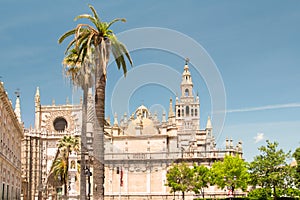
95 13
65 35
114 21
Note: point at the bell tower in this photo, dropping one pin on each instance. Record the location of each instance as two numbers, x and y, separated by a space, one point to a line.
186 84
187 107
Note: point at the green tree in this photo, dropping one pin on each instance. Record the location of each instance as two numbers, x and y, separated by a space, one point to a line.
67 144
270 169
60 165
296 174
102 39
201 179
232 173
260 193
81 75
60 171
179 178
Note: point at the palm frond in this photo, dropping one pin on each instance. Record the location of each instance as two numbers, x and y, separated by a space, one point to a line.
87 37
114 21
95 13
65 35
119 50
125 51
116 56
87 16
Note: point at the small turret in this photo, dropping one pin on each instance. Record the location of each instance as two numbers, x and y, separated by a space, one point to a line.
208 124
116 124
171 113
37 97
227 144
115 128
37 102
231 144
164 117
18 107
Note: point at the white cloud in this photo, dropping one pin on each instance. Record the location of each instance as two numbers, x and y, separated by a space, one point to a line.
267 107
259 137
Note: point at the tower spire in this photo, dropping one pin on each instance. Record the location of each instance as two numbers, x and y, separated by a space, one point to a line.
116 124
18 106
208 124
186 83
37 95
37 102
187 108
171 113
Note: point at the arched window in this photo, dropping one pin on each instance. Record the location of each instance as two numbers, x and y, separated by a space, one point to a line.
187 111
196 112
60 124
192 112
182 112
178 112
186 92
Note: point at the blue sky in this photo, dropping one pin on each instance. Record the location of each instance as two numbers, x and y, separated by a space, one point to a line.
254 45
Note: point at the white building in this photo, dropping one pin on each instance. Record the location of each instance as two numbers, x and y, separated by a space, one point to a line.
11 134
139 149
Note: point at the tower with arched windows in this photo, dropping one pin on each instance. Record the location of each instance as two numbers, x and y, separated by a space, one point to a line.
187 108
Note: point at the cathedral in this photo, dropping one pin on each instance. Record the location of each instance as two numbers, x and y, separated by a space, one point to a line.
139 147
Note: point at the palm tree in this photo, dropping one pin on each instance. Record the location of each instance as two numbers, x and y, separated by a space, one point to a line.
60 171
67 144
60 165
80 74
103 41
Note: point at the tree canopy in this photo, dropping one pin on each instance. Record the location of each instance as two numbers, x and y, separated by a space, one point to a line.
232 173
270 168
179 178
296 155
201 179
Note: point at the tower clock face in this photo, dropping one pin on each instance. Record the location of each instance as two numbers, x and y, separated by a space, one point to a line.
60 124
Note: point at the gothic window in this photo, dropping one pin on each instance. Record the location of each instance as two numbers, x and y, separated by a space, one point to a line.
187 111
186 92
196 112
178 112
192 112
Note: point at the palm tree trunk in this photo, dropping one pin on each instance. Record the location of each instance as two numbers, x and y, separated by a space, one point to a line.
102 58
66 187
98 189
83 145
67 174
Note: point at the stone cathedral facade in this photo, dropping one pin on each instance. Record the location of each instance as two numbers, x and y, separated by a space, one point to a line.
39 146
139 147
